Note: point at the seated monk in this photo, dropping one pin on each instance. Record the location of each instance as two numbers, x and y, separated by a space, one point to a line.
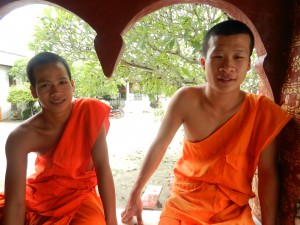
69 137
228 134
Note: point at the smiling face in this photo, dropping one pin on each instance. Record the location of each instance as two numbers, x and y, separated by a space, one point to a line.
227 62
53 87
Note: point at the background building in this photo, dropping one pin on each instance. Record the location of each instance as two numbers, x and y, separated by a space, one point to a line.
7 60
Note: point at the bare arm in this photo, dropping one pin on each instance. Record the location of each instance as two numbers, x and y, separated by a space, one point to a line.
170 124
268 184
104 177
15 182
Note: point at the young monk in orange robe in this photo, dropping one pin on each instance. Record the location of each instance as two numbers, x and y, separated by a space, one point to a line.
214 176
228 134
70 139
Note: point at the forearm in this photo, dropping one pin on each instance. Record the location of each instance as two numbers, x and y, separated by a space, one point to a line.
149 166
107 194
14 191
268 190
14 214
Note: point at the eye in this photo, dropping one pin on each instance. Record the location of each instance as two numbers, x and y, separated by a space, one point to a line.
217 56
44 85
63 82
239 57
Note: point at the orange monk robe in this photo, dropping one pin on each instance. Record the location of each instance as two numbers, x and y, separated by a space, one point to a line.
213 178
63 183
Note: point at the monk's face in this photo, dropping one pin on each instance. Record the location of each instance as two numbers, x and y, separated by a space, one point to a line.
227 62
53 87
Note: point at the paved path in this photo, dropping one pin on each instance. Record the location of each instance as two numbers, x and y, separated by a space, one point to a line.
5 129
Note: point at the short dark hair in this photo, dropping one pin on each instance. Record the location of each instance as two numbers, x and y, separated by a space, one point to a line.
44 58
228 27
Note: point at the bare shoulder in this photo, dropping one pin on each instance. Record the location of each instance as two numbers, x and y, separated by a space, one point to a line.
189 94
186 99
22 138
190 90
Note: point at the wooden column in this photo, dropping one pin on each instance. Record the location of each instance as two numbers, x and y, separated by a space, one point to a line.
290 142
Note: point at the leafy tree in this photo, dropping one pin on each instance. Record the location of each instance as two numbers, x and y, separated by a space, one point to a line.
18 71
162 50
90 81
21 94
166 44
72 38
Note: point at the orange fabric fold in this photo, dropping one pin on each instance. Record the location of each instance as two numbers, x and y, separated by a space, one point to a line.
213 178
90 212
63 181
172 221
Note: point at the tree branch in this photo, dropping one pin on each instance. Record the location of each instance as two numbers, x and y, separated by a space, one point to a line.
137 65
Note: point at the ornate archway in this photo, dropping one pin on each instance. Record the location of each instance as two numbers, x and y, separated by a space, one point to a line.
277 31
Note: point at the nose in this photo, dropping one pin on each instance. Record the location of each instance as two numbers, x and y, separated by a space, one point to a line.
226 66
55 89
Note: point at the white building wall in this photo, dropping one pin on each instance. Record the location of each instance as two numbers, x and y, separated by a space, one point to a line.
7 60
4 88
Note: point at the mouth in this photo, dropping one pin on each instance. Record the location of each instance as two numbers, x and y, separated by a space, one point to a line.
225 79
57 101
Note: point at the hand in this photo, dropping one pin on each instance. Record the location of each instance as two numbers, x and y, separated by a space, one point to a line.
134 207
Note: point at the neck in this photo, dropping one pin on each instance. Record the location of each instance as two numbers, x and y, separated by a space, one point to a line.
225 101
53 119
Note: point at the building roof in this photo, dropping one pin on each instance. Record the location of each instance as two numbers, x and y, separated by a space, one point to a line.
9 58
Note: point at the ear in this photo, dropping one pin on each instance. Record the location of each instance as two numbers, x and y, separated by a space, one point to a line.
202 62
33 91
249 65
73 85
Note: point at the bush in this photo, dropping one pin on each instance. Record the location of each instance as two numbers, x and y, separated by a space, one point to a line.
20 94
159 113
26 114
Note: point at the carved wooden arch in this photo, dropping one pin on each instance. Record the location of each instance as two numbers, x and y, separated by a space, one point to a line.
109 44
110 19
276 21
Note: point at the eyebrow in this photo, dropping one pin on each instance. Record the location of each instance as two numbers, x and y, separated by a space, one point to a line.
43 81
48 81
240 50
235 51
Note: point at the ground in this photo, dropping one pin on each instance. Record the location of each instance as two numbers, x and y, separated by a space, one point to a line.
128 140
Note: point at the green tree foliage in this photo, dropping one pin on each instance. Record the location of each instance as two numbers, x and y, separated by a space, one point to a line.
69 36
20 94
164 46
18 71
162 50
